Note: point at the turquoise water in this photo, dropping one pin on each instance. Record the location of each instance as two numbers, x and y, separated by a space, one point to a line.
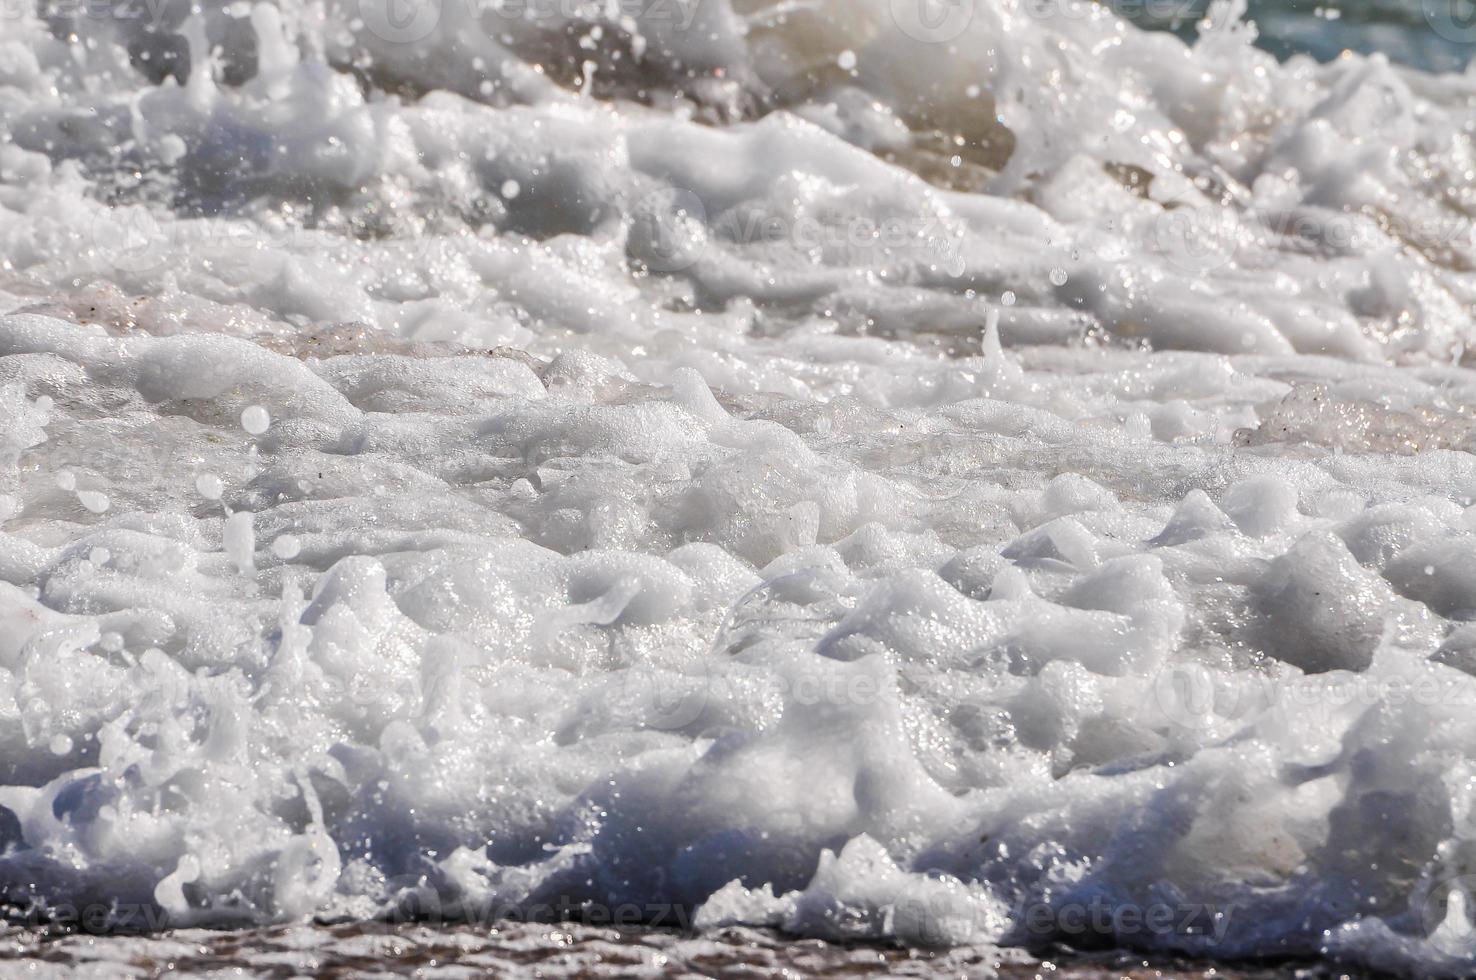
1439 35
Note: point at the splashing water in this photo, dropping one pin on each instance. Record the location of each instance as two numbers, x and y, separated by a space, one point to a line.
956 476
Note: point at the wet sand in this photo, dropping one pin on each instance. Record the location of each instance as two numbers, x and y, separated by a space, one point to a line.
519 950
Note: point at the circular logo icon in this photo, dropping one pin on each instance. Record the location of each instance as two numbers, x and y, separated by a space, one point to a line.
1194 698
668 230
134 244
495 20
942 919
665 701
412 899
1448 914
1196 240
1454 20
400 21
933 21
1186 695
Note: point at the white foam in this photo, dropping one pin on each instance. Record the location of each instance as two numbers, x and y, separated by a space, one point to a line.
805 471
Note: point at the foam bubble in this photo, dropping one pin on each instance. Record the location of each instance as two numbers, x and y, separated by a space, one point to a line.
209 486
95 501
664 512
256 420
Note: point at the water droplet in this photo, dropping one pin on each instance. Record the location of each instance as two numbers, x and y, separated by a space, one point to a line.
847 60
511 189
66 480
256 420
287 547
209 486
1008 299
1058 277
172 149
240 540
61 744
94 501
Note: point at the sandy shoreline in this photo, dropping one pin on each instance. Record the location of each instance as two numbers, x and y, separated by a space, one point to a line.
357 950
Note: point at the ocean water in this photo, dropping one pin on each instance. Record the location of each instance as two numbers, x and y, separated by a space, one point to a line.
947 474
1436 35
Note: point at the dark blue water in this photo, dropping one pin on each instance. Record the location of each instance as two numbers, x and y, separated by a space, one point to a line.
1439 35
